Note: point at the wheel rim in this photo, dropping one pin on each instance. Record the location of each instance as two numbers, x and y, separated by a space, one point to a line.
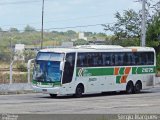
79 91
129 88
137 87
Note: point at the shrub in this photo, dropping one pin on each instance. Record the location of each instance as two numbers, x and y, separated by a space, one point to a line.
22 67
158 62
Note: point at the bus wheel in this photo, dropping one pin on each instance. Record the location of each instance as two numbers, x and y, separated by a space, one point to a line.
129 88
79 91
53 95
138 87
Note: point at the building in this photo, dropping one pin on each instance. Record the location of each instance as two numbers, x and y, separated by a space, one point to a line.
19 52
81 36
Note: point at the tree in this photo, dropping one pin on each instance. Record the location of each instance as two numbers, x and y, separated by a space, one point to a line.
29 54
127 25
14 30
88 34
71 32
29 29
153 32
81 42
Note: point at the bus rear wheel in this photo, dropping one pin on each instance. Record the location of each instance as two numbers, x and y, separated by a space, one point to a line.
79 91
53 95
129 88
137 87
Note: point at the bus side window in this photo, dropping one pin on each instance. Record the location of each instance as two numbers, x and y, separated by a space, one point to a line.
119 59
143 58
125 59
100 59
85 60
116 60
79 60
112 59
95 59
132 59
137 59
90 60
150 58
106 59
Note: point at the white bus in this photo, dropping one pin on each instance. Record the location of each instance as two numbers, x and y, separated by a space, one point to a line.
94 69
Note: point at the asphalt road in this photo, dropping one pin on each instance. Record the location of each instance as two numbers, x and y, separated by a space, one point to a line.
111 103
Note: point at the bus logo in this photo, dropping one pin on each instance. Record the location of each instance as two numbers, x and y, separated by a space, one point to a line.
80 72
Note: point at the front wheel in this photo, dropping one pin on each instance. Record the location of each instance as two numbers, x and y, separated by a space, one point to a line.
79 91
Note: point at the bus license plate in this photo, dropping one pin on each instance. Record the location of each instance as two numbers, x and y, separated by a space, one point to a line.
44 90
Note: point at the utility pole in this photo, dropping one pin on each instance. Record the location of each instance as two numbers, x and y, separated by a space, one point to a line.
42 24
143 36
11 50
11 60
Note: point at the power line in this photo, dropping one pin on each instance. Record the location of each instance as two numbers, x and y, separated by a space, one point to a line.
69 27
69 19
91 25
20 2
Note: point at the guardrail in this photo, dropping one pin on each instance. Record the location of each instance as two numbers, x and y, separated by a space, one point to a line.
7 69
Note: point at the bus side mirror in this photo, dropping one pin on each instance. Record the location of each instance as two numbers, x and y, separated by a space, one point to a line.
62 65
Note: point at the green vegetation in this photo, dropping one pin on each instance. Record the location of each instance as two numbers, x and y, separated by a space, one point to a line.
127 30
32 38
21 67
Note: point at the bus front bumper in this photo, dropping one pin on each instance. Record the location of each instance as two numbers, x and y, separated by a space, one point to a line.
53 90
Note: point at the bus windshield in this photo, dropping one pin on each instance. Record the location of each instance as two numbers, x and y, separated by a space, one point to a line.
47 69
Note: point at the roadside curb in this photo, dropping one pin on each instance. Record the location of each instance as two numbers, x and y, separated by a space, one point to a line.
16 88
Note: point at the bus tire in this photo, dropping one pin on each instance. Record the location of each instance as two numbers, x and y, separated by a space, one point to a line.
79 91
138 87
129 87
53 95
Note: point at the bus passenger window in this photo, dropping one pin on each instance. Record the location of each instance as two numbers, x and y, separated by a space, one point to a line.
150 60
100 59
116 60
112 60
125 59
80 60
143 56
90 60
107 61
120 59
95 59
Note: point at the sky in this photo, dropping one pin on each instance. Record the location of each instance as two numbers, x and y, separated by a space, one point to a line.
60 14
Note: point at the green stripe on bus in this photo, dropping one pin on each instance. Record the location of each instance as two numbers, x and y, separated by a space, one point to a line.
143 70
110 71
118 78
94 71
46 83
121 71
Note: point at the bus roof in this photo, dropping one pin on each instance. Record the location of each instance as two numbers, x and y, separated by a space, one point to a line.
98 48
